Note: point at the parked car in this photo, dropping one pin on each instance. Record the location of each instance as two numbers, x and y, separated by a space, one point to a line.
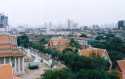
33 65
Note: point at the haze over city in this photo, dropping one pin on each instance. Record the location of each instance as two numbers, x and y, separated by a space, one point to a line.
87 12
62 39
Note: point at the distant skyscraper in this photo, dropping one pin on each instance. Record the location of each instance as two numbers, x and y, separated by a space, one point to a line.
3 21
69 24
121 24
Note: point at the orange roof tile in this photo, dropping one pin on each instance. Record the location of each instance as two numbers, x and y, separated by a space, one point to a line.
93 51
10 53
121 64
96 52
6 46
6 38
6 72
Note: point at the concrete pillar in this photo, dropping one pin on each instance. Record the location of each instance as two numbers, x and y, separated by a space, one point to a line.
15 65
19 65
23 65
4 60
10 62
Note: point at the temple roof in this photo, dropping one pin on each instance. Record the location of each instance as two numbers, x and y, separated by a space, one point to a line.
121 64
11 53
6 72
93 51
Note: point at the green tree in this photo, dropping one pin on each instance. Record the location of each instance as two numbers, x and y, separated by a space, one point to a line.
82 74
43 41
74 43
113 75
92 74
113 44
76 62
23 41
59 74
70 50
109 42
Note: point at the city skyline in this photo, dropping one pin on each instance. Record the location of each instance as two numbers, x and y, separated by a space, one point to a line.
85 12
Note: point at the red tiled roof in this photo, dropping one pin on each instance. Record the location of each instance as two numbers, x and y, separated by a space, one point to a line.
121 64
10 53
6 72
8 47
93 51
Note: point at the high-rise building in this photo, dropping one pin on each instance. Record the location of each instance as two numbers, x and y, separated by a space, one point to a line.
121 24
3 21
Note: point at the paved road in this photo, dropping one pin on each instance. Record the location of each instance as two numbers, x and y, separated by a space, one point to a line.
34 74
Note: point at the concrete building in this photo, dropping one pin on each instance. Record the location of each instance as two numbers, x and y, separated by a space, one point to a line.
82 39
10 54
3 21
121 25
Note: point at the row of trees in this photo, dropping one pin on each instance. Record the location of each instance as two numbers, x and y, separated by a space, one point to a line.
109 42
82 74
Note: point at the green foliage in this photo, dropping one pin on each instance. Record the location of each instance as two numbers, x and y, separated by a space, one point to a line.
79 67
76 62
58 74
92 74
116 55
113 44
108 41
43 41
37 46
82 74
23 41
70 50
74 44
96 74
113 75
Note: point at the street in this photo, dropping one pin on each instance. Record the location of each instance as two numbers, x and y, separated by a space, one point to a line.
35 74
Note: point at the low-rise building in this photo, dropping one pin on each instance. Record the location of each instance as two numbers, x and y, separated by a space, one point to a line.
83 40
58 43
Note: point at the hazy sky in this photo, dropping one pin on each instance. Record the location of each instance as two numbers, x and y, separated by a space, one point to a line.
58 11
